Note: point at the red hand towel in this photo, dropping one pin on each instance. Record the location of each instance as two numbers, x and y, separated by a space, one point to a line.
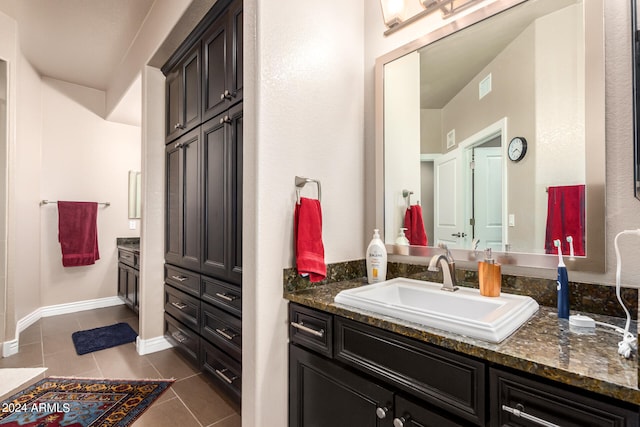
78 233
308 237
415 226
565 217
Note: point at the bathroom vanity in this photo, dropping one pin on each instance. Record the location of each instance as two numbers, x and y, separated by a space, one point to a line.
129 271
349 367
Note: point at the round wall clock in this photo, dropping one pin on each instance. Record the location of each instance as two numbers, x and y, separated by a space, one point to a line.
517 148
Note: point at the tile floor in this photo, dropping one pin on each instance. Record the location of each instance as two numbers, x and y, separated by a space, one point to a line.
191 401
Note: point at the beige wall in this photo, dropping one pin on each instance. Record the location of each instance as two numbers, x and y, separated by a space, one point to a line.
24 226
303 110
84 157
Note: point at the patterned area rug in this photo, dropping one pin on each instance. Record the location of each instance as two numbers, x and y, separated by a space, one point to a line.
77 402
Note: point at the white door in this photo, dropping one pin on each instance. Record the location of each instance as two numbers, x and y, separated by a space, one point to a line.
488 197
448 207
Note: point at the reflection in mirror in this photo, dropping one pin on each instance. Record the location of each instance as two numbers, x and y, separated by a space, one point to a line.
497 132
134 194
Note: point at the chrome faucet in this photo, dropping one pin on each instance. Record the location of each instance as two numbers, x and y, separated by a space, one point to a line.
448 267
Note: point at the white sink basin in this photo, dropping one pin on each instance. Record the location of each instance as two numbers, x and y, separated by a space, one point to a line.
464 312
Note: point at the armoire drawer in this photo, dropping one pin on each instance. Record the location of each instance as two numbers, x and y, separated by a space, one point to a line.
184 339
182 307
184 280
311 329
223 295
226 371
222 329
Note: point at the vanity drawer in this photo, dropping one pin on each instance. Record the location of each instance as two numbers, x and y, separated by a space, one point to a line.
222 329
184 280
222 295
521 401
185 340
183 307
226 371
311 329
445 379
128 257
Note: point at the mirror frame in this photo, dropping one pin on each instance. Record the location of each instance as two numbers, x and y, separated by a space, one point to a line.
595 172
635 69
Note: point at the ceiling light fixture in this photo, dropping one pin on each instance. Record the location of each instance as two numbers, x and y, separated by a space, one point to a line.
394 11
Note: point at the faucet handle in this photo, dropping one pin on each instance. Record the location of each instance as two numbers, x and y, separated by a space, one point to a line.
444 246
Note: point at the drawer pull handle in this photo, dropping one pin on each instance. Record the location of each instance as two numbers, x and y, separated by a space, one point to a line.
178 305
224 333
519 412
221 374
179 337
179 278
226 296
307 329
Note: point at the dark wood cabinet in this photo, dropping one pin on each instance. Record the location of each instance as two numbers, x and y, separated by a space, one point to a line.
128 278
203 238
183 201
222 76
222 196
183 95
409 383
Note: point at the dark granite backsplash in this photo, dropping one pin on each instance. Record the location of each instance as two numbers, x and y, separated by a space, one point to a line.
588 298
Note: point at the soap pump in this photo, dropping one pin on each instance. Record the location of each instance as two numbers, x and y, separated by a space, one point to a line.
489 276
376 259
402 243
563 285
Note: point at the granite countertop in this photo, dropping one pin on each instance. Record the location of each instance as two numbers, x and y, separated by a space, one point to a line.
129 244
543 346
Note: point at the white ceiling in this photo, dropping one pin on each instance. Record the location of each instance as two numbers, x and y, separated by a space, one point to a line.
77 41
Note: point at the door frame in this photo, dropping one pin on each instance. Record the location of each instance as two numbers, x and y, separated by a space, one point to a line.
498 128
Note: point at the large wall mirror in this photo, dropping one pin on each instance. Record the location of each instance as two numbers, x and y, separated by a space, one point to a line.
490 133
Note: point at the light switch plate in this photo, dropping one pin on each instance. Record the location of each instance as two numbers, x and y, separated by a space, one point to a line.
512 220
132 224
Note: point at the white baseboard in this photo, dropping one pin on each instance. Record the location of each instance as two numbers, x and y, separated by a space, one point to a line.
10 348
152 345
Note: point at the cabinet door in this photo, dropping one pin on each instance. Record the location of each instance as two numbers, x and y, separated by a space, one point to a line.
323 394
122 281
133 284
183 95
222 51
173 104
214 76
222 196
182 216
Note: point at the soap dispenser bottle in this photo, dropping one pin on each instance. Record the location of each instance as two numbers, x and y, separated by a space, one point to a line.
376 259
489 275
402 243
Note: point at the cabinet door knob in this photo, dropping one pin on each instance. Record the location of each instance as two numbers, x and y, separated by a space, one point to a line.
178 126
459 234
225 119
178 145
227 95
400 421
382 412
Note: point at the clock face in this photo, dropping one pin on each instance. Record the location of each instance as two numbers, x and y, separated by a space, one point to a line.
517 148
